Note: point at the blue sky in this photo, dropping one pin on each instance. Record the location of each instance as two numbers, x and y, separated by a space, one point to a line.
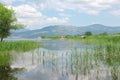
39 13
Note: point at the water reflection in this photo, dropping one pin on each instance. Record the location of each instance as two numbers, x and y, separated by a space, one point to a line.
6 72
43 64
61 44
59 60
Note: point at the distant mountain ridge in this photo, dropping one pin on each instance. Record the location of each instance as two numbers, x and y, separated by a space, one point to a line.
58 30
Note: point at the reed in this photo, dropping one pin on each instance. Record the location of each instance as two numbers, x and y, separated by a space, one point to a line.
109 54
18 45
106 51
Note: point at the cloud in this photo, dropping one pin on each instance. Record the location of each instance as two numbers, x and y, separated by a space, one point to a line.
86 6
31 17
26 11
30 13
115 12
93 7
7 1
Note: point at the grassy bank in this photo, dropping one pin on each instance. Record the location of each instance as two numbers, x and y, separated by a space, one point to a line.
107 48
98 39
18 45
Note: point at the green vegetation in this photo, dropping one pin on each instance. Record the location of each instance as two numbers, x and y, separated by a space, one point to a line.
82 62
104 33
5 58
7 73
18 46
51 37
88 33
101 39
107 51
109 55
8 21
101 57
66 37
6 52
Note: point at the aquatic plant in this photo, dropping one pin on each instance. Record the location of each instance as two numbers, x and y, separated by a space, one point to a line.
18 45
109 55
6 49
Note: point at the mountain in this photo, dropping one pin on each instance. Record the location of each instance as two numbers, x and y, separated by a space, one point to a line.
57 30
20 30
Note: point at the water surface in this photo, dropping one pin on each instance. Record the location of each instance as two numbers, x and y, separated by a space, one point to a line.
56 60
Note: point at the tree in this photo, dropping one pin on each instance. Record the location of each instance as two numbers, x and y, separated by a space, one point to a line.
104 33
88 33
8 21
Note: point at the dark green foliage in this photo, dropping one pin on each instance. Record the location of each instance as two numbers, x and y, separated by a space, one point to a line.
88 33
104 33
8 21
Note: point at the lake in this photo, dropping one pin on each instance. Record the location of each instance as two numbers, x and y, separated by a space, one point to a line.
56 60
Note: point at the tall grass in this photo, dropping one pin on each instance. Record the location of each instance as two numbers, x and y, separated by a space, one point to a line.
106 51
99 39
18 46
109 55
5 58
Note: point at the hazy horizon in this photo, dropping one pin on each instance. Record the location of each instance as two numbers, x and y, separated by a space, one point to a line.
41 27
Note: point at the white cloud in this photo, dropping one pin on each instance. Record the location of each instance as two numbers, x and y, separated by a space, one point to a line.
115 12
87 6
29 14
26 11
7 1
93 7
60 9
56 20
31 17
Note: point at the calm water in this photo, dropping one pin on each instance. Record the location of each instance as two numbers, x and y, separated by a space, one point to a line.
56 60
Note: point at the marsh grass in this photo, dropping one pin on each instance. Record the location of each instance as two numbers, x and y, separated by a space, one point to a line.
108 52
106 48
4 58
99 39
82 62
19 46
109 55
